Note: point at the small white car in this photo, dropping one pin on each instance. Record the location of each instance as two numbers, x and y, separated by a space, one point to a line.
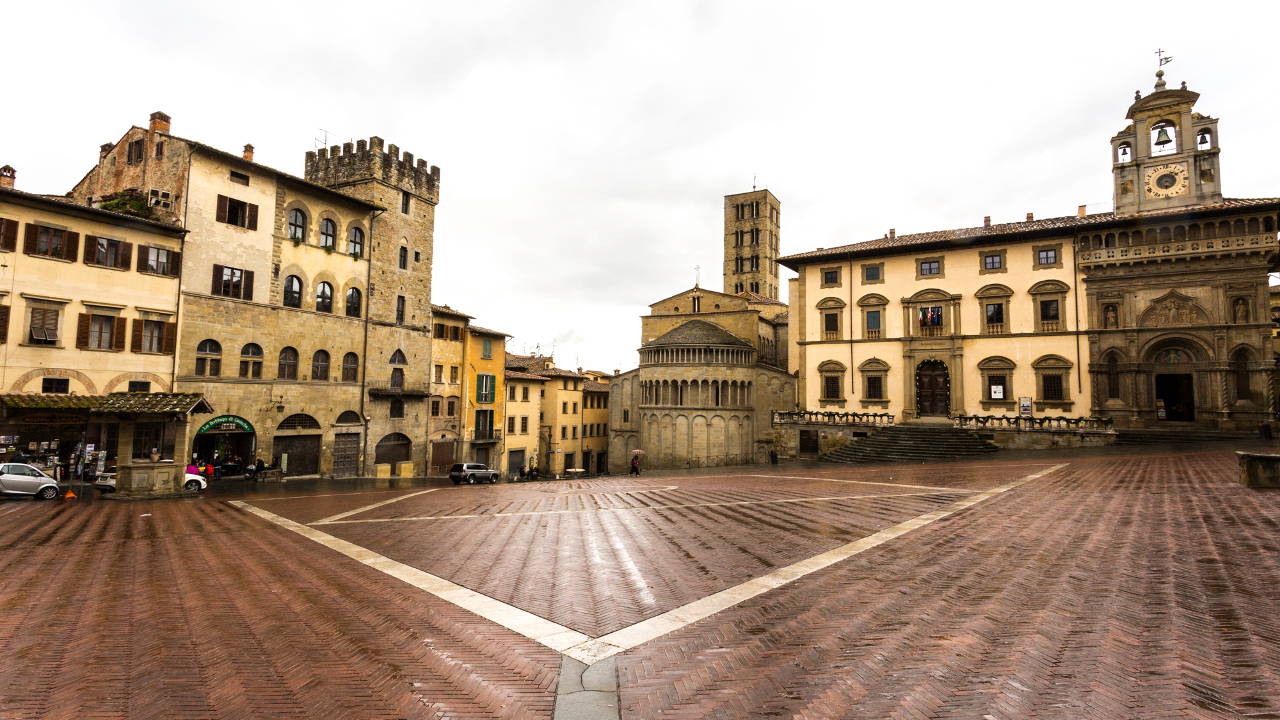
23 479
106 482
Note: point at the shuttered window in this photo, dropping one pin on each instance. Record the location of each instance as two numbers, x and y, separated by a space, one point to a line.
51 242
237 212
105 252
8 235
44 326
159 261
232 282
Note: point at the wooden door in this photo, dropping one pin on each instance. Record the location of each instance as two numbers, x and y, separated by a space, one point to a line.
346 454
933 389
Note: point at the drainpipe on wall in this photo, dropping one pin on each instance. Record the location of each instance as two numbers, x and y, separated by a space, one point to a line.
1075 292
364 351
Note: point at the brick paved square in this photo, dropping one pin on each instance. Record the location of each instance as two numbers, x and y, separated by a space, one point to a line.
1121 586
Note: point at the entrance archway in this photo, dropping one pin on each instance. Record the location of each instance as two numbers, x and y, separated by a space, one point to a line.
225 438
393 448
1173 375
933 389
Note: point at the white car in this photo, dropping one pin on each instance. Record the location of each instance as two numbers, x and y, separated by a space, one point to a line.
23 479
192 483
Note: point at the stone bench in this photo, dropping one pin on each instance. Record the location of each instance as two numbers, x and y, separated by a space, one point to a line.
1259 470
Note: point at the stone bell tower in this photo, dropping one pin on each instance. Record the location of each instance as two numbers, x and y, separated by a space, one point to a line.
752 221
1168 155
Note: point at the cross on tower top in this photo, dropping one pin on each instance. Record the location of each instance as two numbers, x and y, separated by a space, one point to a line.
1160 53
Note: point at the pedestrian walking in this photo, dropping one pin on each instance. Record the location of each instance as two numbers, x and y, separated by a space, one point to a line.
635 464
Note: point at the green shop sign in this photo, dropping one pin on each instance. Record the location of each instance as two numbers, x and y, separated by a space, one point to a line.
225 424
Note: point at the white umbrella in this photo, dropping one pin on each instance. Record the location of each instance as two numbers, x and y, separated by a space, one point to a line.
637 452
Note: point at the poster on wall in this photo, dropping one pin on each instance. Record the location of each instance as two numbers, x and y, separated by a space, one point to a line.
1160 411
997 392
1024 406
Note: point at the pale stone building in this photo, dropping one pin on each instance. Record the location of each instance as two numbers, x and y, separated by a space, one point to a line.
305 313
1152 314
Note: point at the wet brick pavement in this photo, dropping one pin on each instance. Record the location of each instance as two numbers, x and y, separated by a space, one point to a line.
1122 586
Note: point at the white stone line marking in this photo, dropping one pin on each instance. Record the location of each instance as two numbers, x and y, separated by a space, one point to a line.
540 630
858 482
359 510
305 497
635 508
628 490
596 649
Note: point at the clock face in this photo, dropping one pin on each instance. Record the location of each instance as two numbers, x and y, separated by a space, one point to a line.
1165 181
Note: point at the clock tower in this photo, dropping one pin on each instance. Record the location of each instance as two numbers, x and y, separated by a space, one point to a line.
1168 155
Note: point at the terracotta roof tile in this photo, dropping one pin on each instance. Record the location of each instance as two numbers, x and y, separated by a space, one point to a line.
759 299
594 386
446 310
106 215
697 332
1002 229
114 403
517 375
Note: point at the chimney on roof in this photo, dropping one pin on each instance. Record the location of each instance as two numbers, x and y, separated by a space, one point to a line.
248 153
893 233
1080 211
7 174
986 221
1031 216
104 149
159 122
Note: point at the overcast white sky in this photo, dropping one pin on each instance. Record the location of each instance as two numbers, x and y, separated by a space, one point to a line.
586 147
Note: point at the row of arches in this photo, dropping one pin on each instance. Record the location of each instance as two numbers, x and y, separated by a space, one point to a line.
1192 232
294 291
679 440
298 225
697 393
697 356
209 358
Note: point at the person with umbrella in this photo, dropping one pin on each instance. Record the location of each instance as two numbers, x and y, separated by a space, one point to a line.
635 461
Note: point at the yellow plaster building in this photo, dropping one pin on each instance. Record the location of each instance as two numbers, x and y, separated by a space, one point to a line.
484 391
524 412
560 427
445 429
595 423
88 298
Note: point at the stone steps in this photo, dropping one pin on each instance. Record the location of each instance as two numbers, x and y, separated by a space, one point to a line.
911 443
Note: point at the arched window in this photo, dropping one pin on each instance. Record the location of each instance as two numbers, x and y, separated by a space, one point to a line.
355 242
397 408
832 387
1204 140
251 361
209 358
350 368
320 365
348 417
288 368
353 302
324 297
1164 138
299 421
1240 370
397 358
397 378
1113 377
328 233
297 225
404 258
293 291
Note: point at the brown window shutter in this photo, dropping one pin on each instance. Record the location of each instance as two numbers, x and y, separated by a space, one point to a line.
170 338
72 248
248 285
8 234
117 333
82 330
253 216
142 257
222 208
137 335
125 257
175 264
90 246
29 243
217 280
4 323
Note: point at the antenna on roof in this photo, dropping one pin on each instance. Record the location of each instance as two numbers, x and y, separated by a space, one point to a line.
323 140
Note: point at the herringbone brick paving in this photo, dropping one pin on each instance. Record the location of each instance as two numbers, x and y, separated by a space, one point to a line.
1124 586
1139 587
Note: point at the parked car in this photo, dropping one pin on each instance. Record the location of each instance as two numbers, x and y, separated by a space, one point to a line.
472 473
23 479
106 482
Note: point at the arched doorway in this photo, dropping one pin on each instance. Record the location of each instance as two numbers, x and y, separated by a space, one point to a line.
393 448
1173 377
933 389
